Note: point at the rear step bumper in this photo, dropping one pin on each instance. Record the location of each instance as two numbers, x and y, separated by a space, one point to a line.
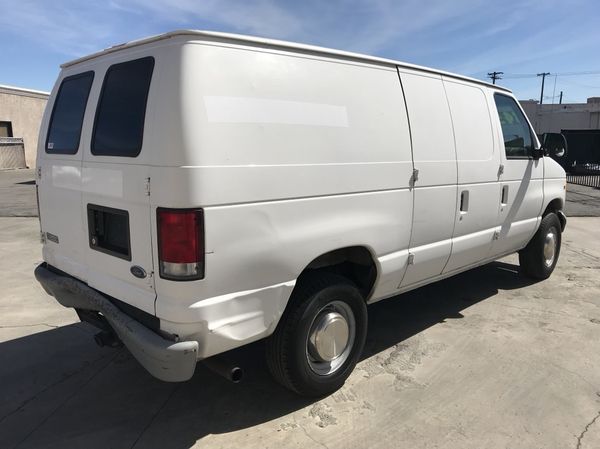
164 359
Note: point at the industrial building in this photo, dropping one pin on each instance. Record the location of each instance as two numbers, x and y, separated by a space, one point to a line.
21 113
554 118
579 123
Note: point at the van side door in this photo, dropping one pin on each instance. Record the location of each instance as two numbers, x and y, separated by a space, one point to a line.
434 179
478 162
521 179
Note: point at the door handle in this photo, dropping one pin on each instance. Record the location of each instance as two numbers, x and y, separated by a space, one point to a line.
504 196
464 201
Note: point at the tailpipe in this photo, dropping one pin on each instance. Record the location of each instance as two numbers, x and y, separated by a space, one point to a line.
224 369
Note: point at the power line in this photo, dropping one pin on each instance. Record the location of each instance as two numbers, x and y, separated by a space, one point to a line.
519 75
533 75
590 72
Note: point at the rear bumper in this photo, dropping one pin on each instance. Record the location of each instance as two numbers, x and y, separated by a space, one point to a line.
164 359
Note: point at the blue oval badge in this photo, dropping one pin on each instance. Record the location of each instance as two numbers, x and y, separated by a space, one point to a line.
138 271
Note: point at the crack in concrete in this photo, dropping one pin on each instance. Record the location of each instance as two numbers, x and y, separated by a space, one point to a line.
16 326
587 427
48 388
310 437
542 311
574 373
67 399
154 416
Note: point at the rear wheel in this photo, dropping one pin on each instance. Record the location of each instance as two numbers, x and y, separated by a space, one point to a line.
320 337
538 259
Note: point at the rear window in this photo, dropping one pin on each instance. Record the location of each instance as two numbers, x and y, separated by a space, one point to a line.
119 124
64 131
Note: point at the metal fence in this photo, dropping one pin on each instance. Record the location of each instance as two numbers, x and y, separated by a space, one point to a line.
12 152
585 175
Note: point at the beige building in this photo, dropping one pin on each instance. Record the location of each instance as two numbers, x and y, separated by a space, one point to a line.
554 118
20 117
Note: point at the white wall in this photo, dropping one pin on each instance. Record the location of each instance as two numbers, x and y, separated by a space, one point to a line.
24 110
555 117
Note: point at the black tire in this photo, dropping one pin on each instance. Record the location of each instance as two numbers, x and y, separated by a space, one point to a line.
286 349
533 262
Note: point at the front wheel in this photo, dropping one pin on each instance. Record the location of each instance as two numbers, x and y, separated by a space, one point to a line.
538 259
320 337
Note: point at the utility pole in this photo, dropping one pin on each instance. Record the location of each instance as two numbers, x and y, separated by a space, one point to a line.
495 76
560 99
543 75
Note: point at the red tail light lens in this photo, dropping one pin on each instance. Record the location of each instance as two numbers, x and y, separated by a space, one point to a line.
181 244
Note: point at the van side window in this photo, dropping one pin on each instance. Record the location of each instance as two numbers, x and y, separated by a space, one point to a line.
119 124
515 129
64 130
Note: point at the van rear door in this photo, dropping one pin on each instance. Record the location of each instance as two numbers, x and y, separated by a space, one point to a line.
58 174
116 186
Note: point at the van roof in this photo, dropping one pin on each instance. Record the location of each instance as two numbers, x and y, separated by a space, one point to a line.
273 43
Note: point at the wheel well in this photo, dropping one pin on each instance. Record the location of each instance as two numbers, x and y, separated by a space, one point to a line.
555 206
354 263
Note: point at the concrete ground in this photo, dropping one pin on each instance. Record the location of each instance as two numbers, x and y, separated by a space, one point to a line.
17 193
486 359
582 201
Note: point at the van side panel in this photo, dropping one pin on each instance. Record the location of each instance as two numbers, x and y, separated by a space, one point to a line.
523 179
478 168
435 190
290 157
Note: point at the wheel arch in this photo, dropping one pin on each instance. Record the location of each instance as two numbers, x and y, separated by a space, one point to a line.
556 206
356 263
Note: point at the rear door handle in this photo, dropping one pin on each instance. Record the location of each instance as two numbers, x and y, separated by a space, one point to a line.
464 201
504 197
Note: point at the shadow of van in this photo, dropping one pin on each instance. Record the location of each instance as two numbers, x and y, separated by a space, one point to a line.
59 390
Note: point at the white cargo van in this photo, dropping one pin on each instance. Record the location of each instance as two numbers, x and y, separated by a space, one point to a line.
200 191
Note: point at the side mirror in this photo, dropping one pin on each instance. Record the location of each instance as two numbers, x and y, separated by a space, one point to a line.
538 153
554 144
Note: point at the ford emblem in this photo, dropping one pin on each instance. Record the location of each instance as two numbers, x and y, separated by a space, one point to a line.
138 271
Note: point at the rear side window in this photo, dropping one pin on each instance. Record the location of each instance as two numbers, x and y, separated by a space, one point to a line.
64 131
119 124
515 129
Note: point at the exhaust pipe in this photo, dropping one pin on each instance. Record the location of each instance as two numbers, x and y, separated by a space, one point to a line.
225 369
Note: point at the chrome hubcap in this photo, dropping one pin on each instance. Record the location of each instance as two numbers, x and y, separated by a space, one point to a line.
549 248
330 338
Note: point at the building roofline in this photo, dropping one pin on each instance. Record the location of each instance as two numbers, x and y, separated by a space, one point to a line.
23 91
238 38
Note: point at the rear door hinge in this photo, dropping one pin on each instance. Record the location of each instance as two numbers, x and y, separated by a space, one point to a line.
147 186
38 174
411 259
501 170
496 235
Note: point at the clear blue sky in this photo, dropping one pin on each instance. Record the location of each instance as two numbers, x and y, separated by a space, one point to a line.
470 37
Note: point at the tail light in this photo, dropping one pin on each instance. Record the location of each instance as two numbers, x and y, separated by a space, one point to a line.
181 244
